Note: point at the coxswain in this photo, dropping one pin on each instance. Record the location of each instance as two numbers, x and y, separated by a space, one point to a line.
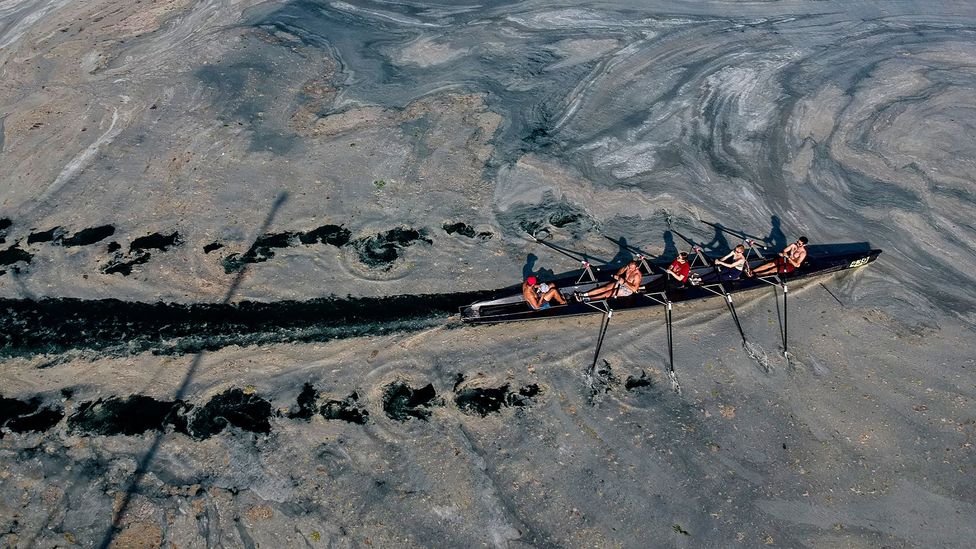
538 295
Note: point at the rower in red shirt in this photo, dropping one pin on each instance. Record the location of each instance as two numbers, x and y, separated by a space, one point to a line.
680 268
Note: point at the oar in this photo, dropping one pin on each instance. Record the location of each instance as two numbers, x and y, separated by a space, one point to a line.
750 241
641 254
709 261
663 300
752 244
675 386
839 302
604 324
567 253
629 246
575 256
738 234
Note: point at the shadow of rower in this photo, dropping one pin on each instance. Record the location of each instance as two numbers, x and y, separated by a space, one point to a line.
776 238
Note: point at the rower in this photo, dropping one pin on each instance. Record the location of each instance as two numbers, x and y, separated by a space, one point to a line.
788 261
770 272
679 272
680 268
732 269
538 295
626 282
717 288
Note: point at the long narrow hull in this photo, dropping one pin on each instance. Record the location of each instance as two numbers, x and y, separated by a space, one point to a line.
511 306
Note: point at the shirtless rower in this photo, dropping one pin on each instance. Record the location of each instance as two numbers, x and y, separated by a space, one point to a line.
626 282
732 264
538 295
788 261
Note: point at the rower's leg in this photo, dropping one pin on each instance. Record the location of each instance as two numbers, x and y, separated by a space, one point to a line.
553 293
599 293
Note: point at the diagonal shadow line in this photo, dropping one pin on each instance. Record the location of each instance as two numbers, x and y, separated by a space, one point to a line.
150 454
622 243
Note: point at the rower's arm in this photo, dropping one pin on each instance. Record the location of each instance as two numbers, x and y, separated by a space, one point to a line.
801 256
633 283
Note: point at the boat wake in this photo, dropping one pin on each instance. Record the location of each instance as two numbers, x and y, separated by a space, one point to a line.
794 364
58 326
599 380
757 353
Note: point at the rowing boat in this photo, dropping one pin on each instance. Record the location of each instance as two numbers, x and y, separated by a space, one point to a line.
509 304
657 288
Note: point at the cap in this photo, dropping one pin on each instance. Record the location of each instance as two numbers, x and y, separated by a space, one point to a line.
531 281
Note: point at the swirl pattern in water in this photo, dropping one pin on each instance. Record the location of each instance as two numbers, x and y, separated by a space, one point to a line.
840 120
232 233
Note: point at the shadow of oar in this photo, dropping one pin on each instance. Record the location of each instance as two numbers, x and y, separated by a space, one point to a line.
150 454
